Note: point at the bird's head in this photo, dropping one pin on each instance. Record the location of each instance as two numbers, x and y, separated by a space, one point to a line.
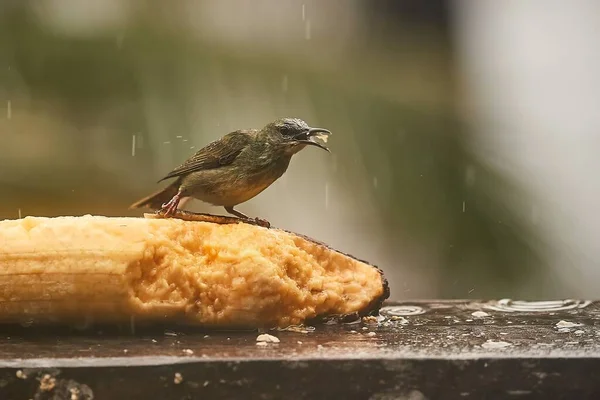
295 134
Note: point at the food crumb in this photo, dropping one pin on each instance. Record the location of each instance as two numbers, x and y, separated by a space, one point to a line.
265 337
21 375
47 383
299 342
178 378
371 334
188 351
370 319
74 393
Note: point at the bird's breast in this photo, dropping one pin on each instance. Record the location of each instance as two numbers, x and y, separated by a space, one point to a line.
232 185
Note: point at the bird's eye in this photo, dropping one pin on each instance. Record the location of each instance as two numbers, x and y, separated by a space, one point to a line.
286 130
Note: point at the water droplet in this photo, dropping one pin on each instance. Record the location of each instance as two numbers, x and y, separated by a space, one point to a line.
133 146
298 329
284 84
404 310
307 30
567 324
26 323
508 305
490 344
480 314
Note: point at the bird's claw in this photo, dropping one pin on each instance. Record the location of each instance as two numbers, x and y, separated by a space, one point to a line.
262 222
169 209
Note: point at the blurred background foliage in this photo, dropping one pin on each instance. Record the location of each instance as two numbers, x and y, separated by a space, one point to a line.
101 99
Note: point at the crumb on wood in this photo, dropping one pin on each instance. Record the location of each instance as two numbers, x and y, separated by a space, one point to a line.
266 338
47 383
178 378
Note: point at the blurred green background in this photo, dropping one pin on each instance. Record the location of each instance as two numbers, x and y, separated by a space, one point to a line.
101 99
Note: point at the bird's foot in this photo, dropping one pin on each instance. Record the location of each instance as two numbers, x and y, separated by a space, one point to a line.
261 222
169 209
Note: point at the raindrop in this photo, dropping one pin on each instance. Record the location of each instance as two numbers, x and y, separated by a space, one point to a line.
167 142
464 205
303 12
567 324
133 146
397 311
490 344
19 210
178 137
375 182
284 84
8 109
508 305
307 30
480 314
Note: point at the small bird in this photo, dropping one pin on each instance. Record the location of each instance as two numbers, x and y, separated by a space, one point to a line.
236 167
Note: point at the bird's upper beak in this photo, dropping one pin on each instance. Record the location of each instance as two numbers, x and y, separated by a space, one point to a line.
315 137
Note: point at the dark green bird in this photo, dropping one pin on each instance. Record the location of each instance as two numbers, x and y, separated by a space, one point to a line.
237 167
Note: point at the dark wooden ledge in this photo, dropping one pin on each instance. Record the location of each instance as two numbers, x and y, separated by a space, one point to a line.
415 350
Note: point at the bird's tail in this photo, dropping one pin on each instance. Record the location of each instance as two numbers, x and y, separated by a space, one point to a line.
156 200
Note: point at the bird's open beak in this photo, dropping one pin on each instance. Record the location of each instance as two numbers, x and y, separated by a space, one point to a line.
316 137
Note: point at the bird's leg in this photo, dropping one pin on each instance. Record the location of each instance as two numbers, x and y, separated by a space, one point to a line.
237 213
257 221
171 207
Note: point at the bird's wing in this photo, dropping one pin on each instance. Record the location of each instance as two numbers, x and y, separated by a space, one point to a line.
216 154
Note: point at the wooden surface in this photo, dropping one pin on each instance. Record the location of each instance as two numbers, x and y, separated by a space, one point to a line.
416 350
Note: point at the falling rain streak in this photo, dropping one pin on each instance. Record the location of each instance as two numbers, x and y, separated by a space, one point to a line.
464 206
284 83
303 12
133 146
8 109
326 195
307 29
19 210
